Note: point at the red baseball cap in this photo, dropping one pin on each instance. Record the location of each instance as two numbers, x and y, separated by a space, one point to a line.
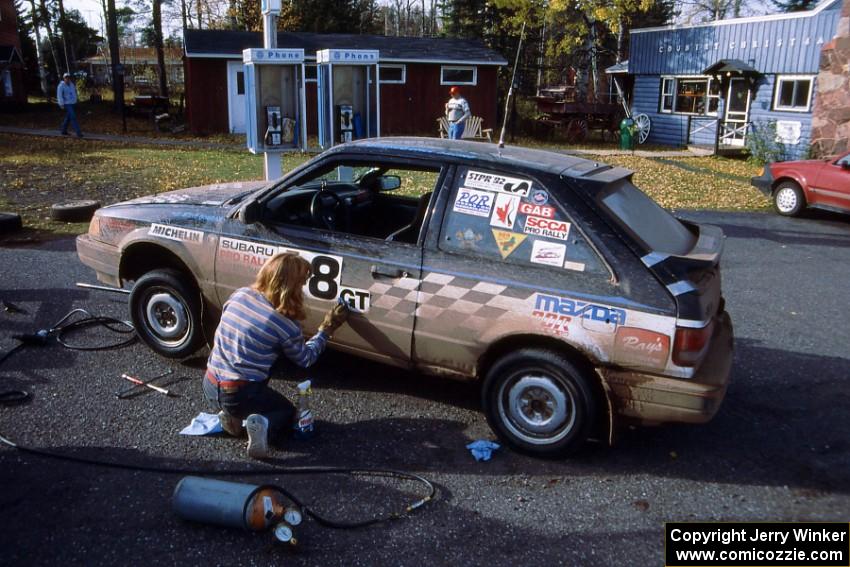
454 90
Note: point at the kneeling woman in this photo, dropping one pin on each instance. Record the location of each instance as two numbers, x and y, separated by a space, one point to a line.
258 323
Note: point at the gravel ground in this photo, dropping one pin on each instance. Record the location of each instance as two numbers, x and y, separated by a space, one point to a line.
778 449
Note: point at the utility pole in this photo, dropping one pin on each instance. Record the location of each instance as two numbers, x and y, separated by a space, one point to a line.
271 8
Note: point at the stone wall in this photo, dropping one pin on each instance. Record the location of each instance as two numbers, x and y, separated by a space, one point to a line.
831 119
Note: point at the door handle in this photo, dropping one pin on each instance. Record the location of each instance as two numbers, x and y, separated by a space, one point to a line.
378 272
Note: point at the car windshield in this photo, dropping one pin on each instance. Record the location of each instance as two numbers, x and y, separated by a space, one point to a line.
656 228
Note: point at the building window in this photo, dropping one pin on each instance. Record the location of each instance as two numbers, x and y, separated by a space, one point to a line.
690 95
667 86
311 73
240 83
793 94
392 73
458 75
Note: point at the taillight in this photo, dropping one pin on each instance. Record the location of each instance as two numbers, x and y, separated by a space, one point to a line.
94 225
690 344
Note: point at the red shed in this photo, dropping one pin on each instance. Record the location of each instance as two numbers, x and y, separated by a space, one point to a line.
415 76
12 91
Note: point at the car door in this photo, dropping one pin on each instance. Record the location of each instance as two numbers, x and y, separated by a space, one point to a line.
832 185
376 277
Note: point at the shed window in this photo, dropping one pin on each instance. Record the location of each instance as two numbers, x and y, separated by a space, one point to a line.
392 74
240 82
793 94
667 86
458 75
311 73
687 95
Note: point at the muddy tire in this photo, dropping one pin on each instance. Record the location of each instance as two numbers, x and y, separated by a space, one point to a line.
539 402
10 222
74 211
166 311
788 199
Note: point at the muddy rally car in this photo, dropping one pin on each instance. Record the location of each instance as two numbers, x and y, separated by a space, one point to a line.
575 299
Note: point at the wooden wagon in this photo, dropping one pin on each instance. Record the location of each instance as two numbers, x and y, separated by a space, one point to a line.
576 119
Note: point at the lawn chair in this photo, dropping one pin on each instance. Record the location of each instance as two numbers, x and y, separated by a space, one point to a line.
472 131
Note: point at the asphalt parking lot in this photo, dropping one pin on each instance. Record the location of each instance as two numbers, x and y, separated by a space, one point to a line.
778 449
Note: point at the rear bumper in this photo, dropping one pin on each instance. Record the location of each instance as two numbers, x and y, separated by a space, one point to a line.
653 399
763 182
103 258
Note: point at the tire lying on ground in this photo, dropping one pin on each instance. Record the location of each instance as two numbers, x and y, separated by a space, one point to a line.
10 222
74 211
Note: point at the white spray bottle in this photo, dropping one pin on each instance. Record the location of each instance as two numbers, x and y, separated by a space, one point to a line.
304 427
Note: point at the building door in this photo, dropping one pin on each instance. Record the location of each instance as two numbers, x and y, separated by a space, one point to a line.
236 97
734 128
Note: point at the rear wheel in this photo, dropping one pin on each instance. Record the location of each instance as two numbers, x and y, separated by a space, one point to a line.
788 199
166 311
539 402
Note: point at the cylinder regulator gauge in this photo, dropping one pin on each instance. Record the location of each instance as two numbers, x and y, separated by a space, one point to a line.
283 533
292 516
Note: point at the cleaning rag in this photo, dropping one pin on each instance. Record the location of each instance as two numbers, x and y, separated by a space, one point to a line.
203 424
482 449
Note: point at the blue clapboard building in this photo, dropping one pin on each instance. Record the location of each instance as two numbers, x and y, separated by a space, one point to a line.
716 84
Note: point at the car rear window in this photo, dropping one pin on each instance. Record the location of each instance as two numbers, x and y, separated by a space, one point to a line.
651 224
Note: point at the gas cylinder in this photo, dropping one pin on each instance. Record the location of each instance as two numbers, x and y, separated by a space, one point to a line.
235 505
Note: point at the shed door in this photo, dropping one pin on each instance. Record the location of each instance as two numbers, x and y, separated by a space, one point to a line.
236 97
734 131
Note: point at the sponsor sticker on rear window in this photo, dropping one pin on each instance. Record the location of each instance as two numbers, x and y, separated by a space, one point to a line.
498 183
473 202
548 253
549 228
537 210
504 211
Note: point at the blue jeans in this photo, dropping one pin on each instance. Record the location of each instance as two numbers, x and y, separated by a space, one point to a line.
258 398
456 130
71 116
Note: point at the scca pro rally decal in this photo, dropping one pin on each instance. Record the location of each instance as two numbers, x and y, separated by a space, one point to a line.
176 233
491 182
549 228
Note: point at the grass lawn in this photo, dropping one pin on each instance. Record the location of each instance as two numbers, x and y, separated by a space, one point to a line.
37 172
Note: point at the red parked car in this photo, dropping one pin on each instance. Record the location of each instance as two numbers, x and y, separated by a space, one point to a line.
795 185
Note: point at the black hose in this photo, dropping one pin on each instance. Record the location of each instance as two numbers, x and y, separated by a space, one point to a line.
267 471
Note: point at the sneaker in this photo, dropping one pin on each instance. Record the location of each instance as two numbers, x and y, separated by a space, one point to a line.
65 134
258 436
231 424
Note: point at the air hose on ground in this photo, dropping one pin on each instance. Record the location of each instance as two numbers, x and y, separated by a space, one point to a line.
65 325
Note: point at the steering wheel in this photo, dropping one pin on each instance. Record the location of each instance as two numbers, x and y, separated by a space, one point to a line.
323 208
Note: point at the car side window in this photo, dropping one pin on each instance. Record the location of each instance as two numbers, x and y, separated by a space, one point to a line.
514 220
844 162
376 200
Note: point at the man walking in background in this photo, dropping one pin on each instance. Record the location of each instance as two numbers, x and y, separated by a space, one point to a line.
457 111
66 95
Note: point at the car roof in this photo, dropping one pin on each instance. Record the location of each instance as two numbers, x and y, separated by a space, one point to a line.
528 159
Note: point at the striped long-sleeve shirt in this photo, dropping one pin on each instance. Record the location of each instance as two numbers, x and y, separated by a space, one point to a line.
251 335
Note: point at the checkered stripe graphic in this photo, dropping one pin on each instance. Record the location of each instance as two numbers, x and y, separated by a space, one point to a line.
447 300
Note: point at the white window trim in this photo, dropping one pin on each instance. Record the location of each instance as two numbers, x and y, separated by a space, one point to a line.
401 66
676 79
314 65
474 70
777 90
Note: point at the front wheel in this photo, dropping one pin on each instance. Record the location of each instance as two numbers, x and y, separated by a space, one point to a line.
788 199
539 402
166 311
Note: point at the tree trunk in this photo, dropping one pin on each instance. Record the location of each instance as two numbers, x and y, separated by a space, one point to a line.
183 16
115 57
45 19
160 51
63 27
198 8
42 76
620 34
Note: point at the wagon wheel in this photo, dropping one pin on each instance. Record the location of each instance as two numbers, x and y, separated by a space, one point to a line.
643 125
576 130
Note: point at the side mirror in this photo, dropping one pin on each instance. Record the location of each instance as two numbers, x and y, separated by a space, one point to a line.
390 182
250 213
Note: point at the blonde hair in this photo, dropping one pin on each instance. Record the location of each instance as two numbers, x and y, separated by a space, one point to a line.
280 280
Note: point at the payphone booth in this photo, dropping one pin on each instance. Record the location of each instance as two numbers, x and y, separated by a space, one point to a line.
348 93
275 106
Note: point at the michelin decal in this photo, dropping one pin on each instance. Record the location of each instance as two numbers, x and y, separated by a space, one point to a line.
176 233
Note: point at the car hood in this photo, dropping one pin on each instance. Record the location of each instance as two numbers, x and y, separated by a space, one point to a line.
797 164
212 195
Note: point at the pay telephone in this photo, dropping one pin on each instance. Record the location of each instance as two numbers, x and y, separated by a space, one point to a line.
273 129
346 122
